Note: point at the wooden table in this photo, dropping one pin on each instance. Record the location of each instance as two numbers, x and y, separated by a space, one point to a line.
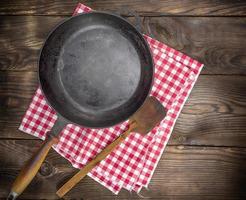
206 155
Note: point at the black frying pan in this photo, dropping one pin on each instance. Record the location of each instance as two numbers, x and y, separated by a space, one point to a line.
95 70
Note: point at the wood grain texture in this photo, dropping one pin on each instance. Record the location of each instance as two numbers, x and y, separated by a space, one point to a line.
21 39
32 166
218 42
182 173
213 115
212 125
146 7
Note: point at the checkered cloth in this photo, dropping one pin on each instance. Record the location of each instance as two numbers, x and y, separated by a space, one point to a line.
132 164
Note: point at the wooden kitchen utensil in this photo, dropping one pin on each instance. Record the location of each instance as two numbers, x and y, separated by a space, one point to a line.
143 121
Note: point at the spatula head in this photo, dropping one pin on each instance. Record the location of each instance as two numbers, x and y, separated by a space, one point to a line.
148 116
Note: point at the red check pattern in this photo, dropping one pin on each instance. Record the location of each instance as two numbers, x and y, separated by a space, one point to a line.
132 164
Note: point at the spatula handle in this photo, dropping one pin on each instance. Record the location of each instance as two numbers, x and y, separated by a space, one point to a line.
102 155
31 168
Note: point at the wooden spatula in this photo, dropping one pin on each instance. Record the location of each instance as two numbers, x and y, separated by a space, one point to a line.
143 121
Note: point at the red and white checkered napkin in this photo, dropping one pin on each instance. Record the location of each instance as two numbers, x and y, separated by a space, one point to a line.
132 164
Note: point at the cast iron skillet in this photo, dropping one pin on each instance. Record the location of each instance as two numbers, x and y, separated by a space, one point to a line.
95 70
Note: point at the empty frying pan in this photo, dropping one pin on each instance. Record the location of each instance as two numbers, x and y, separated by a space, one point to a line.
95 70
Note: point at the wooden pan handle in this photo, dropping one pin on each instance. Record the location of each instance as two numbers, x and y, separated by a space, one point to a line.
102 155
31 168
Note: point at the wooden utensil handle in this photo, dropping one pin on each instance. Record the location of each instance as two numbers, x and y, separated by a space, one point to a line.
31 168
102 155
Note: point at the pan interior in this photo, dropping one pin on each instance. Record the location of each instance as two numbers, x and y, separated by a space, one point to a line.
99 69
95 69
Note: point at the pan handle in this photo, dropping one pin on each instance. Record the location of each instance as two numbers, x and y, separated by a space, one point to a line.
31 168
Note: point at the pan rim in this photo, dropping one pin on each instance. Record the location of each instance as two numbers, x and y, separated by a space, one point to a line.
60 115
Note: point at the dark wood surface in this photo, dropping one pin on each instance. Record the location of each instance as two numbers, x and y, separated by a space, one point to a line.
184 172
144 7
218 42
206 155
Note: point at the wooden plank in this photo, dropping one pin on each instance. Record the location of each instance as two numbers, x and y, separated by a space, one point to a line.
218 42
213 115
175 7
16 91
182 173
21 39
